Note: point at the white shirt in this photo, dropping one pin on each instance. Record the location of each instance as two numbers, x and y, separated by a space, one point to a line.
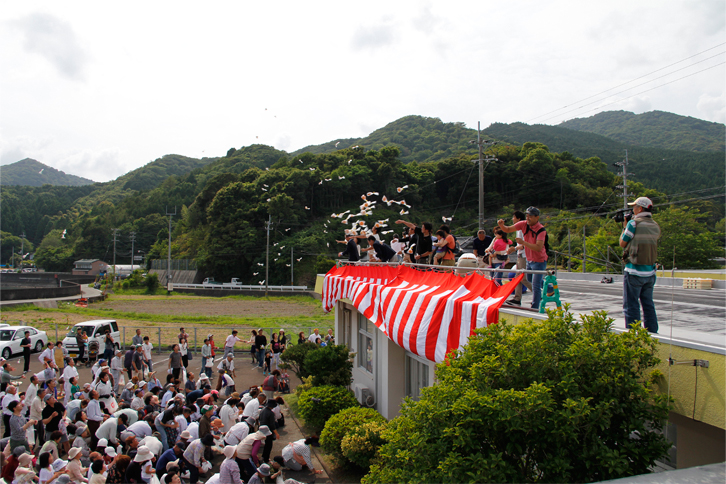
68 373
146 349
231 340
183 424
6 401
252 409
237 433
93 411
108 430
30 394
140 429
47 353
314 337
117 363
228 414
520 235
137 403
226 364
193 429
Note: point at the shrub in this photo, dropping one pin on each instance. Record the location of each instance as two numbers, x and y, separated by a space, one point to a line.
152 283
293 358
323 264
307 384
125 285
330 365
360 445
341 424
551 401
318 404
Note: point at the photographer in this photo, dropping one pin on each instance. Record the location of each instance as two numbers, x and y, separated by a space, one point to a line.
640 239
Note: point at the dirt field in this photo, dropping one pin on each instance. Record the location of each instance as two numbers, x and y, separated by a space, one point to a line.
212 307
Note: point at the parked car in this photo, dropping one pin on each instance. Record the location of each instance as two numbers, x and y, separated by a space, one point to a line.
95 330
11 336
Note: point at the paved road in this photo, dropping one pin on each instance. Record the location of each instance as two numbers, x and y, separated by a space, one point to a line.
698 315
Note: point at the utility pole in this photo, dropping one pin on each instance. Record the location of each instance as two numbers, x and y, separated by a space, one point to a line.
292 264
624 165
584 248
488 159
114 253
168 256
267 255
22 249
132 236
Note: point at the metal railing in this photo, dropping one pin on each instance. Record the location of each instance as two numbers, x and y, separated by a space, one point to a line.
438 268
229 287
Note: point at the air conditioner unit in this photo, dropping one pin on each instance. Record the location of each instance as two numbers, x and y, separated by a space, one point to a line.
358 391
368 400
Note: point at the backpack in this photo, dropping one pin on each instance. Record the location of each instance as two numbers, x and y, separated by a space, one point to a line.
456 250
547 236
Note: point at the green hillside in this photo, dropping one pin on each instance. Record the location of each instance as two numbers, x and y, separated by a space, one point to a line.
29 172
655 129
668 170
418 138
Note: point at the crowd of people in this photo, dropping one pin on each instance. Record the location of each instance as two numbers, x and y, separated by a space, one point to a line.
421 245
128 426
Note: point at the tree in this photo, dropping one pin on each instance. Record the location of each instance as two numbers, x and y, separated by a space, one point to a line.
683 230
550 401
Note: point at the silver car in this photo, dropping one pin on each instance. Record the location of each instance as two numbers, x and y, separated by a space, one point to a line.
11 336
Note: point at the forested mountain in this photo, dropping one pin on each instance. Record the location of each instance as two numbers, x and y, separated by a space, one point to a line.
667 170
655 129
417 137
30 172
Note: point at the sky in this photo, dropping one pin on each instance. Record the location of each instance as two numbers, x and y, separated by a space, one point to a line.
97 89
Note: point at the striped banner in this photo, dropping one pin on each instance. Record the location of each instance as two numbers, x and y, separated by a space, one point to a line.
427 313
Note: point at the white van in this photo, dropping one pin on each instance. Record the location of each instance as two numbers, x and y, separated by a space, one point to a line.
95 329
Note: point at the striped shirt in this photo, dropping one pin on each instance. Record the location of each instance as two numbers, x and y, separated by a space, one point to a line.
229 472
195 453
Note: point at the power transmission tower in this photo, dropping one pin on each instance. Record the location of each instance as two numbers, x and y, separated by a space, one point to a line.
168 260
132 236
624 165
488 159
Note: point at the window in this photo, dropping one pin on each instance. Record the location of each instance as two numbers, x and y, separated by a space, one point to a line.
114 327
365 343
31 331
20 334
417 375
347 328
6 334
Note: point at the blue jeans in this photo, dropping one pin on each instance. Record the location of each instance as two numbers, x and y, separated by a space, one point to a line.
260 358
498 275
638 291
536 280
162 432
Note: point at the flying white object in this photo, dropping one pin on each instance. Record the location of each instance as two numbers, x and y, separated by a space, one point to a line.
299 259
400 189
350 161
341 178
264 189
288 265
260 264
403 212
41 171
372 193
447 219
336 144
255 273
307 208
311 168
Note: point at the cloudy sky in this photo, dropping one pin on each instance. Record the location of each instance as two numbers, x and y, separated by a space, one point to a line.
97 89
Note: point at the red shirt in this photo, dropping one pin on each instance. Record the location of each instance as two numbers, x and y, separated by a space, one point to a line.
451 243
529 237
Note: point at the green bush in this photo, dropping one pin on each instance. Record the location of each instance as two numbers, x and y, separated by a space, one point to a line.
152 283
293 358
125 285
341 424
307 384
329 400
330 365
323 264
360 445
548 401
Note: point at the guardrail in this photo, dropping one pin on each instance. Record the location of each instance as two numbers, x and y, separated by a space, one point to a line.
221 287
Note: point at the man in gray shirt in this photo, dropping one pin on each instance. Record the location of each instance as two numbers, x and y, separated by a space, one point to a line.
137 340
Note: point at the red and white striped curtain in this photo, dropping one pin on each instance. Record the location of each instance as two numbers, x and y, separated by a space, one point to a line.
427 313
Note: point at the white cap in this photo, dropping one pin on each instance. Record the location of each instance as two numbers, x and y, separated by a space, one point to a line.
644 202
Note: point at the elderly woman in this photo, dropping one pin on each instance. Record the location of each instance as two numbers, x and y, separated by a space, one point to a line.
75 467
18 426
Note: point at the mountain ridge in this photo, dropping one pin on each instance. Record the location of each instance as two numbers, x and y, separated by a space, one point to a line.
30 172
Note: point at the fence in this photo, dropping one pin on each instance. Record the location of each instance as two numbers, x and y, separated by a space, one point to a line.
163 337
176 264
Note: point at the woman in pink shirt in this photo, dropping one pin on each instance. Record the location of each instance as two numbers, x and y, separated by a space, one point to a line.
498 249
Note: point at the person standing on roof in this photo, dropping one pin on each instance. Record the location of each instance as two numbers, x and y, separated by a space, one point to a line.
351 248
533 240
640 241
424 244
517 217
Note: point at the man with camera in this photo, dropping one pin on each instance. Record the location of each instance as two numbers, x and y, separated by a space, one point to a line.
640 241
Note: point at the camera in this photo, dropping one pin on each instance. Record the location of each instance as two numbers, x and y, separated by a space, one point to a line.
623 215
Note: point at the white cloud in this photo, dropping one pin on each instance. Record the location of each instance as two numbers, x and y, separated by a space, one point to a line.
101 165
712 107
374 37
55 41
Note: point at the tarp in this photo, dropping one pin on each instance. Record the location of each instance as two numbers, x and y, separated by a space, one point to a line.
427 313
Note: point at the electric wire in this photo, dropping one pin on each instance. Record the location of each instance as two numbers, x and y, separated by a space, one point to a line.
628 82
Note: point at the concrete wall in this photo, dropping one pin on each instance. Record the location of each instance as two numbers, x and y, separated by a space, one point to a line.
41 279
225 293
15 294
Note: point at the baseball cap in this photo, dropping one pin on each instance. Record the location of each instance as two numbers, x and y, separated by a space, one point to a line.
644 202
207 408
264 469
533 211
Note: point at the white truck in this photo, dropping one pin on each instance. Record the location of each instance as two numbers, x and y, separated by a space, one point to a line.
234 282
209 281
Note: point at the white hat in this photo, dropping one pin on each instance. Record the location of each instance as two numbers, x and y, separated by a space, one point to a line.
102 443
229 451
73 453
110 451
142 384
265 430
59 464
143 454
171 464
264 469
204 377
644 202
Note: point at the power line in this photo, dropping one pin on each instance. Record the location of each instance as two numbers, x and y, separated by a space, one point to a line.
642 92
628 82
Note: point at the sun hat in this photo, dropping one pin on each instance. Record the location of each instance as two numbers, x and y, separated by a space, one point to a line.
102 443
217 422
142 384
143 454
229 451
73 453
111 452
204 377
186 435
25 460
264 469
129 385
172 464
79 431
250 420
644 202
265 430
59 464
